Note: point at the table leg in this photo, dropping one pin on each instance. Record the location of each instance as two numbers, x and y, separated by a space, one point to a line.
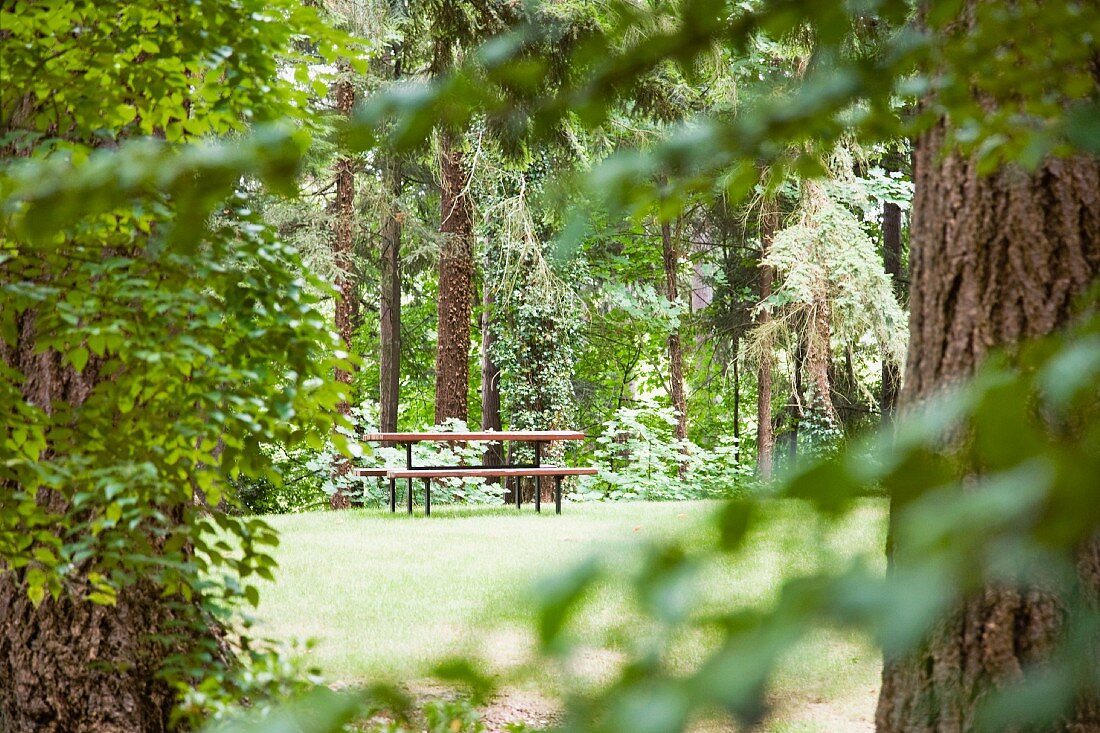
557 494
519 489
393 495
538 496
409 495
427 497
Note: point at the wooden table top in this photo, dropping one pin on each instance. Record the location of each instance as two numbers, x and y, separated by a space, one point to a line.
527 435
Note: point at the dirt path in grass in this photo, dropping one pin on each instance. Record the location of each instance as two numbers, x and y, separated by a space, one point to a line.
854 713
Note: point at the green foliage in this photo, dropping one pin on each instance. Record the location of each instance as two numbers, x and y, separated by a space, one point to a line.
186 71
639 458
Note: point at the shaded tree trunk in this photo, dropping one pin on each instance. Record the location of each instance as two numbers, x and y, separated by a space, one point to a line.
995 260
389 361
736 401
347 301
675 348
456 274
891 260
796 410
490 379
765 432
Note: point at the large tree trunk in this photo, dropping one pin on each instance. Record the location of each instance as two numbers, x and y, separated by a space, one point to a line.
343 212
765 432
995 260
891 260
389 361
70 665
675 349
456 274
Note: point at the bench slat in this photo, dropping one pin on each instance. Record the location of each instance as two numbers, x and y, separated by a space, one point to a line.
382 471
492 472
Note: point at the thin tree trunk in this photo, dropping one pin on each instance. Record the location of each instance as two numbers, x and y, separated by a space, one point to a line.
347 301
456 274
490 379
891 260
995 260
765 433
736 402
796 409
675 350
390 308
819 354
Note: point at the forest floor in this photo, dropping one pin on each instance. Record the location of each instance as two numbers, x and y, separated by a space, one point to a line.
383 597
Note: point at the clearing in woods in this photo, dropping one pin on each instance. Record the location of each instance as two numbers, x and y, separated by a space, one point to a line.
384 597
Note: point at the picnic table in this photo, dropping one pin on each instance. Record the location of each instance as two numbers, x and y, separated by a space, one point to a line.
517 471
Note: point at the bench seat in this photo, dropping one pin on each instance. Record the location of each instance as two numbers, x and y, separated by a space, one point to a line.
427 474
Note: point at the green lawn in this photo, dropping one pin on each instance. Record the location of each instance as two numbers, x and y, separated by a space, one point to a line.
384 596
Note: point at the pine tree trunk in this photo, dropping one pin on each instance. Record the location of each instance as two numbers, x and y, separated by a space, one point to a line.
490 379
389 362
995 260
343 211
675 349
70 665
765 433
891 260
456 274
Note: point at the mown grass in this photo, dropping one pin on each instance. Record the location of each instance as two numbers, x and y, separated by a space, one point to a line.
384 597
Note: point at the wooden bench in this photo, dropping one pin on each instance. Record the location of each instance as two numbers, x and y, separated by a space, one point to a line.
427 474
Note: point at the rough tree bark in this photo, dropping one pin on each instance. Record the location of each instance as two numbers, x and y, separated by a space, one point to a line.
891 260
347 301
994 260
675 348
70 665
765 433
456 275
